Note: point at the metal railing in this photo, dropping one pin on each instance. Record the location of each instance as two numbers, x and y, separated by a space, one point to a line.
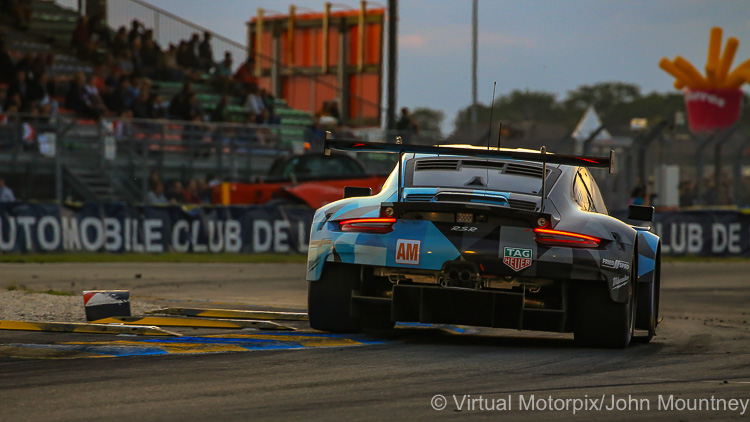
64 156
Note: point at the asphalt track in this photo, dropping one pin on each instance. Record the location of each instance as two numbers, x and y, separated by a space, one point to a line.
701 352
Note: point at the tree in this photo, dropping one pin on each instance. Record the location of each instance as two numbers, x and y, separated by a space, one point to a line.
428 120
517 106
603 96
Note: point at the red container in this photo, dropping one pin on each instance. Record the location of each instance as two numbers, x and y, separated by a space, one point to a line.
712 109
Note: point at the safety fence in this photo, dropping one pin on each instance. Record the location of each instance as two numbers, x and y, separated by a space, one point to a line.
91 160
120 228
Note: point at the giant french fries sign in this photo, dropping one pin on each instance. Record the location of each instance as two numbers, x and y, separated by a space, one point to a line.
713 101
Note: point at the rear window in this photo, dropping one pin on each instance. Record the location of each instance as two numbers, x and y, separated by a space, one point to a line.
501 176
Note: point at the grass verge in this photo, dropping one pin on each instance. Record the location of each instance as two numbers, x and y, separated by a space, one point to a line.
227 258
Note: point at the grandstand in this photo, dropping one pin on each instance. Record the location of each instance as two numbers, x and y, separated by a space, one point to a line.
65 155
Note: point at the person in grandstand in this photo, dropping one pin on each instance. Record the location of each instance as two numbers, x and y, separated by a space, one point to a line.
6 193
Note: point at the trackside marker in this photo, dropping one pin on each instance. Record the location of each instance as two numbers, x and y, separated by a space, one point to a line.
74 327
231 313
106 303
194 322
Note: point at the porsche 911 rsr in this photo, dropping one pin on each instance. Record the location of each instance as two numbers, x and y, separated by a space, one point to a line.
502 238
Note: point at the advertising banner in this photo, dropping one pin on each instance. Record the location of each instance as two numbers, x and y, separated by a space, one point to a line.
120 227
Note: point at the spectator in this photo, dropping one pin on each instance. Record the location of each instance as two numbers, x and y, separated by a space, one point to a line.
21 12
135 49
405 122
126 62
245 75
254 105
190 193
39 96
18 92
120 42
269 102
135 31
117 100
204 191
154 177
156 193
168 68
212 180
687 193
206 53
6 65
174 194
13 103
84 98
193 55
80 37
179 104
140 107
6 193
194 111
223 73
333 110
156 109
220 113
92 94
98 27
149 55
324 116
25 64
134 90
637 195
183 55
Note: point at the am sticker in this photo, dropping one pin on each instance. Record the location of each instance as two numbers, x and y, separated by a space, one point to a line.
407 251
517 258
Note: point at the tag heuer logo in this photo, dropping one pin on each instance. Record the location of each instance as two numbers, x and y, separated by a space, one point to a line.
517 258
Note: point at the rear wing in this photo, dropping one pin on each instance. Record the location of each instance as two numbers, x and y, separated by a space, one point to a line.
540 157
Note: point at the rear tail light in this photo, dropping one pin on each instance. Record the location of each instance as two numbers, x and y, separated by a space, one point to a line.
551 237
368 225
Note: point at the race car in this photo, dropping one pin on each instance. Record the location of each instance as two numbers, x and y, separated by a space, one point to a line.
505 238
312 180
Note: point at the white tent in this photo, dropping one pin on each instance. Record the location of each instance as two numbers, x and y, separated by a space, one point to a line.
588 124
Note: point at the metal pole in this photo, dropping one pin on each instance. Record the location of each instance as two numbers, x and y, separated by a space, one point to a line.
737 181
717 157
474 43
390 117
699 168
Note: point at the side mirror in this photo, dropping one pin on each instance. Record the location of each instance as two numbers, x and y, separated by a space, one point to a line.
641 213
352 191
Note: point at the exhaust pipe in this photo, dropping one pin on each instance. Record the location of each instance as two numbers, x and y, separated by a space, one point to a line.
465 276
453 275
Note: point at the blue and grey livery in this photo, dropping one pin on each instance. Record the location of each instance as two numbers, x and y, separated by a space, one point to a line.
500 238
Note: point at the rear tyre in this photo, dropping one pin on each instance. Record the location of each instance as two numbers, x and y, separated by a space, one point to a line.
648 306
600 322
329 300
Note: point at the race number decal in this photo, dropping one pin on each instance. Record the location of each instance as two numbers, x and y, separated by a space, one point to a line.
517 258
407 251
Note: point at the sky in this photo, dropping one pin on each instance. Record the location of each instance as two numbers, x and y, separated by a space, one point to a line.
546 45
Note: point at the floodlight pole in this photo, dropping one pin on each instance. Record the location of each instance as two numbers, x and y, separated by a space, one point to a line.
474 43
390 113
